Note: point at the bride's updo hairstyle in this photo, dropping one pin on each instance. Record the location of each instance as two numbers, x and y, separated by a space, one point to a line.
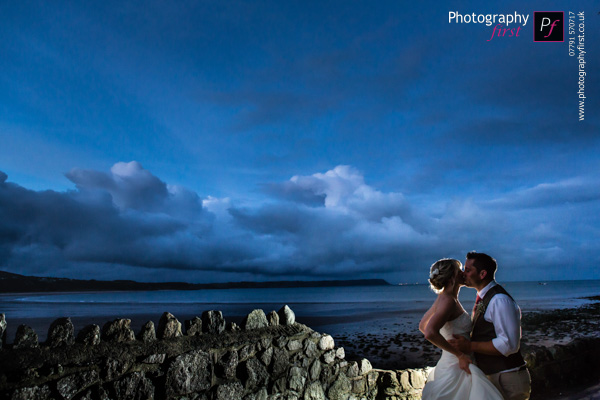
442 272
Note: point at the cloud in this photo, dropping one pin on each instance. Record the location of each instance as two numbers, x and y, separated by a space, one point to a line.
128 216
130 186
355 228
568 191
325 225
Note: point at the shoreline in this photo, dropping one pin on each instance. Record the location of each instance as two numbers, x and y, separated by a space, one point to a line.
389 340
406 350
570 368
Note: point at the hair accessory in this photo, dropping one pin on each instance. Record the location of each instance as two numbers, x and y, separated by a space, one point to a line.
434 273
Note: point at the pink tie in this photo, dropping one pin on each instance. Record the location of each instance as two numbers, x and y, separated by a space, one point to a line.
477 301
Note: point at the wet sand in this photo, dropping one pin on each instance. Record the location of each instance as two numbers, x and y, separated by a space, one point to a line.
404 347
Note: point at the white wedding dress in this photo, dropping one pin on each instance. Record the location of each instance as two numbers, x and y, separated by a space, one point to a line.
448 382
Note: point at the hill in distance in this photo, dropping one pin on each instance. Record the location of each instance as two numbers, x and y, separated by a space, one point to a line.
15 283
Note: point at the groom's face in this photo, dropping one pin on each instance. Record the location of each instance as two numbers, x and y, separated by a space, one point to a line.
472 278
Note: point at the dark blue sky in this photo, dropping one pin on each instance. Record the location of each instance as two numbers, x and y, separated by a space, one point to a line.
221 141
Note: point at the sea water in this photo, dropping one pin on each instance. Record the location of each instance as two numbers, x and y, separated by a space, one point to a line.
329 309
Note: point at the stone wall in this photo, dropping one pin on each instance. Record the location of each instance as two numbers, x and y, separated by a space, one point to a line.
553 369
267 357
562 367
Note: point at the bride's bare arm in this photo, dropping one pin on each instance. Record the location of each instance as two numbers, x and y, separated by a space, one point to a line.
442 312
427 317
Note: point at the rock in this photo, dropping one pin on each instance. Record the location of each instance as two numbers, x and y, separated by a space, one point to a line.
340 388
364 366
359 386
352 370
417 378
286 316
32 393
168 327
279 387
530 359
147 334
89 335
279 362
69 386
326 343
229 391
310 348
404 380
193 327
227 365
103 394
114 368
264 343
296 379
314 391
3 326
61 333
262 394
273 318
315 370
372 378
188 373
294 345
559 352
96 392
340 353
255 320
233 327
88 395
326 375
134 386
118 331
247 352
155 359
336 369
213 321
306 362
281 341
25 338
329 356
254 374
266 356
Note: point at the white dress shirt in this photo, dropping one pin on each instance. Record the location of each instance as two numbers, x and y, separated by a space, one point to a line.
505 314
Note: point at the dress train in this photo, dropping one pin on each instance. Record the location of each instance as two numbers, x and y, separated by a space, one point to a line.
448 382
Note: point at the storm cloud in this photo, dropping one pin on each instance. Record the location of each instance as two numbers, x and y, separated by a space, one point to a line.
310 227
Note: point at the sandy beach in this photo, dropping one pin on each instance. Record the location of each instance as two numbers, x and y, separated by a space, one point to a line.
405 347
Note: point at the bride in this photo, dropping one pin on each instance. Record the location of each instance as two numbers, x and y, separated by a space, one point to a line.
454 376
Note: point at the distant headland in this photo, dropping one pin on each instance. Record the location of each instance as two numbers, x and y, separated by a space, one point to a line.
15 283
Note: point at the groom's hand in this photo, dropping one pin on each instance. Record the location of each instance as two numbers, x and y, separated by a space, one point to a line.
461 343
463 363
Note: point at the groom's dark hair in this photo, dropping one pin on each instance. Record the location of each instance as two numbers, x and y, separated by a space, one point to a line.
483 262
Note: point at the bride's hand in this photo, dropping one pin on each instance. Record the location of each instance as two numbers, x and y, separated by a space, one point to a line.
461 343
463 363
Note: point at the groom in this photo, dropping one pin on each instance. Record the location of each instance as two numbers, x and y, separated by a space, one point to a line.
496 332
